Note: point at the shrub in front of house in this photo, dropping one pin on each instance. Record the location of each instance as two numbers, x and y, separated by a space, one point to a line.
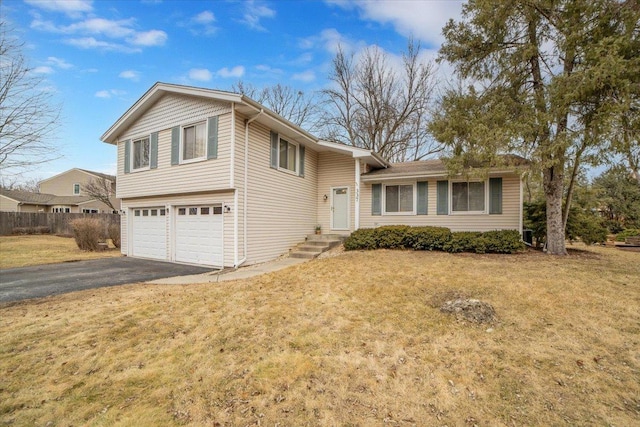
465 241
435 238
427 238
629 232
113 233
31 230
88 232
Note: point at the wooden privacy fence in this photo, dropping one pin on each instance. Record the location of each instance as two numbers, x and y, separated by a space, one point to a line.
57 223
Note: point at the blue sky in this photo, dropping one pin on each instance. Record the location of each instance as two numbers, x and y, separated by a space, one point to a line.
99 57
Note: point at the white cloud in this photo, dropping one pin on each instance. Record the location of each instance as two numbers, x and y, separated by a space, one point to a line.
42 70
94 31
130 75
253 12
205 17
149 38
200 74
92 43
70 7
306 76
422 20
108 93
329 39
58 62
268 69
237 71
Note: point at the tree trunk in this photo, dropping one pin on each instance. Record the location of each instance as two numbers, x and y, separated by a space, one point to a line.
553 189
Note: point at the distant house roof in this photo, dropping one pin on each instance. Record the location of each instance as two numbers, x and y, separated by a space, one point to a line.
434 167
43 198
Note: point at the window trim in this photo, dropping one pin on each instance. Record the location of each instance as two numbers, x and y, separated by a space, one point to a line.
133 154
297 162
383 198
485 211
181 159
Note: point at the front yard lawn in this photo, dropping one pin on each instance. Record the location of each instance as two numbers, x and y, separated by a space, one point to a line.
351 340
22 251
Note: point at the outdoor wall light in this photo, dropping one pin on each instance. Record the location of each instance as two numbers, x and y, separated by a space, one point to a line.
325 197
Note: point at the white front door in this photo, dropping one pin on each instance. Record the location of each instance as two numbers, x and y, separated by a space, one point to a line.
340 208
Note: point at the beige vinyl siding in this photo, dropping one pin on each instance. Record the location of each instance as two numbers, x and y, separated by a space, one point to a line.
226 198
8 205
34 208
62 185
95 204
509 219
335 170
239 170
281 207
205 175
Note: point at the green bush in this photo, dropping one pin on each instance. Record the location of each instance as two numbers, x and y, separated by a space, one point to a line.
590 229
88 232
466 241
391 236
427 238
363 238
629 232
503 241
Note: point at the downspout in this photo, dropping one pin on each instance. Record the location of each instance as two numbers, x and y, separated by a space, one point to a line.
232 171
246 180
520 222
357 216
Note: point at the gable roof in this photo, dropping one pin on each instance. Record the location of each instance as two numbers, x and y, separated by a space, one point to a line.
43 198
95 174
243 104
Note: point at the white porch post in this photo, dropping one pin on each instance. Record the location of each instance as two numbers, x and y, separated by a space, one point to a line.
357 196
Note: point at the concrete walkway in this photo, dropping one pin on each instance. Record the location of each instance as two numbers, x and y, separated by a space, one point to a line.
226 275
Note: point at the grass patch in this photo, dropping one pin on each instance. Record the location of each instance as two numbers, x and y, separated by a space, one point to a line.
22 251
356 339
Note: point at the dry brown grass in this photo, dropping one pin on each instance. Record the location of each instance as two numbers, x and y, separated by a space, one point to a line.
353 340
22 251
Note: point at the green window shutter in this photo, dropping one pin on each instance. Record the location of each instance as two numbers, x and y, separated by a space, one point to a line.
495 195
274 150
302 150
175 145
443 197
212 138
423 197
376 199
153 151
127 156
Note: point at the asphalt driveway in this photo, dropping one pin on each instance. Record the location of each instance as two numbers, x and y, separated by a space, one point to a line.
52 279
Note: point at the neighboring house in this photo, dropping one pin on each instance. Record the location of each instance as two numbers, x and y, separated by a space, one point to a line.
214 178
61 193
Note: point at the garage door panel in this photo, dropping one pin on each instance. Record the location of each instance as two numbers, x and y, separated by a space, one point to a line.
198 235
149 233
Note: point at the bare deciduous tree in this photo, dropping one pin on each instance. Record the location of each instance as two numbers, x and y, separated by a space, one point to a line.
292 104
28 118
100 189
376 106
16 183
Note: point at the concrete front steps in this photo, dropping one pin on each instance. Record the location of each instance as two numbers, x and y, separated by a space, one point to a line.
315 244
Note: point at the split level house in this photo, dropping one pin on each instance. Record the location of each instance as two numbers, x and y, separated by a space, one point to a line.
214 178
62 193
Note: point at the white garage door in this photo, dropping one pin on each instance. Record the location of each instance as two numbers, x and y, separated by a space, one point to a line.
199 235
149 236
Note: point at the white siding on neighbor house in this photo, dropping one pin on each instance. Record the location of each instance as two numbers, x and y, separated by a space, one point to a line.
8 205
282 207
205 175
509 219
226 198
335 170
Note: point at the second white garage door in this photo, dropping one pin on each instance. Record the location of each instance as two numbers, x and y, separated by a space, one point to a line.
198 235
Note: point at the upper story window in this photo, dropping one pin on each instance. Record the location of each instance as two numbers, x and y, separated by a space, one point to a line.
398 198
194 139
76 189
140 156
287 155
468 196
